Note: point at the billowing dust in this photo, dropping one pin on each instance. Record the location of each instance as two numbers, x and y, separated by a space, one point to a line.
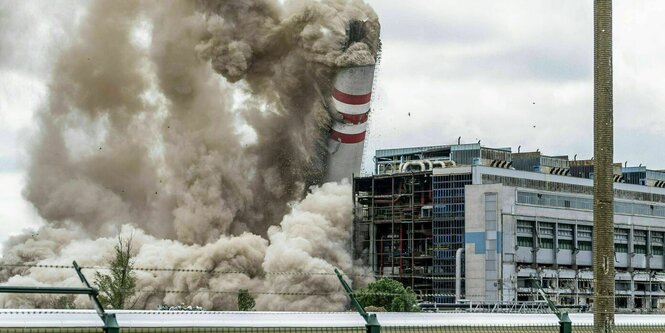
198 128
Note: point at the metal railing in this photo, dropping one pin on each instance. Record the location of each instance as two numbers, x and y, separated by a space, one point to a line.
109 319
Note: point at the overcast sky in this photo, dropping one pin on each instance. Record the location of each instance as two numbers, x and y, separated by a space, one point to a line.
508 73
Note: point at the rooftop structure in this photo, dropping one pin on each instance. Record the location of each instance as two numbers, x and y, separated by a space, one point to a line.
537 162
393 160
640 175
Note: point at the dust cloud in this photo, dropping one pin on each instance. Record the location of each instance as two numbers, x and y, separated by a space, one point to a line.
198 129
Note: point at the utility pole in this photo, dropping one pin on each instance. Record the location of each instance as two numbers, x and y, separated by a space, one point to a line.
603 180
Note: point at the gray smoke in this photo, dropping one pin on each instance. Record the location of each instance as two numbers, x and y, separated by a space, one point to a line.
198 128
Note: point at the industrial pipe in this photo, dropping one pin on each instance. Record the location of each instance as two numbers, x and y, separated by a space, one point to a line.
439 163
429 163
458 274
403 167
444 164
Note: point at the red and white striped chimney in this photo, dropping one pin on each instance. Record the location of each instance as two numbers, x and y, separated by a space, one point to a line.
351 96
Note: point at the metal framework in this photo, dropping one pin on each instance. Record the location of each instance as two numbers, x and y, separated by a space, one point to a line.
394 228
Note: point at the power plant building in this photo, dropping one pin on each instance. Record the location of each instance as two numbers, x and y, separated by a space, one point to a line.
466 223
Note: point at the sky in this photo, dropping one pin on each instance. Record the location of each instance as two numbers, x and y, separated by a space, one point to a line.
508 73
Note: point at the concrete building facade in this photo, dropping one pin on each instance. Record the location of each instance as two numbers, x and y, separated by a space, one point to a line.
512 225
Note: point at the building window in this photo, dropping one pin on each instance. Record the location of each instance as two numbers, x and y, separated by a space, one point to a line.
525 241
546 229
657 250
584 231
584 246
621 248
640 236
524 283
640 249
565 244
621 235
546 243
622 286
565 230
525 227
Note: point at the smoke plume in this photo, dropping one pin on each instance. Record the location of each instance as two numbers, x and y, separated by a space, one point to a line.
198 128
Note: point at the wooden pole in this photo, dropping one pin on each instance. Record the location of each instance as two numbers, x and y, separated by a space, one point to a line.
603 180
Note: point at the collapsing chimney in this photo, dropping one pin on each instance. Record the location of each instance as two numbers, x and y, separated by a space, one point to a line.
351 97
354 33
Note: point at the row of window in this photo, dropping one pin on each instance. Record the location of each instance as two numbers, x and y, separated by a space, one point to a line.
569 188
552 200
547 229
563 230
544 243
448 200
554 162
444 254
450 208
451 178
448 239
495 154
638 249
448 192
563 201
567 244
456 221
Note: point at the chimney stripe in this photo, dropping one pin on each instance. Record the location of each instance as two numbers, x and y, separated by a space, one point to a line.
347 138
351 99
350 108
355 118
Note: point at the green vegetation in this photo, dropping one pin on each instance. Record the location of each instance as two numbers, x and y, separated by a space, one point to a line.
390 295
245 300
118 288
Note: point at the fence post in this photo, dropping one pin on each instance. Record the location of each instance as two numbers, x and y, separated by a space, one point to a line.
565 324
110 323
371 323
109 320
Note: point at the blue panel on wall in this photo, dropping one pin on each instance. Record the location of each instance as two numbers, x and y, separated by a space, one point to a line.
478 239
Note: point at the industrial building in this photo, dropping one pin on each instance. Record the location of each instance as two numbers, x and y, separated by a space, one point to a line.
466 223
